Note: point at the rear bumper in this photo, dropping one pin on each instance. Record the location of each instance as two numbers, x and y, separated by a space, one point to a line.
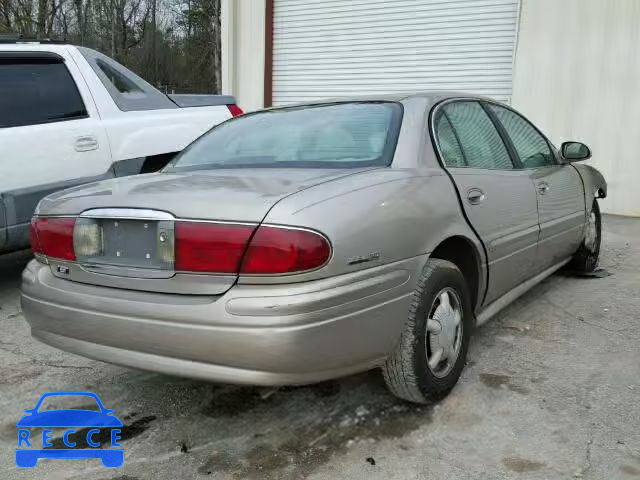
260 335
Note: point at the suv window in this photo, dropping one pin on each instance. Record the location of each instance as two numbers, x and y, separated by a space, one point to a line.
121 82
532 148
34 92
129 92
478 137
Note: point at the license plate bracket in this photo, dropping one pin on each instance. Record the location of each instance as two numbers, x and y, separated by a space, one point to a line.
136 244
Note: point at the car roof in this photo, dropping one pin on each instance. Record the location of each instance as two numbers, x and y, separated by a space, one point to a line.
431 95
34 47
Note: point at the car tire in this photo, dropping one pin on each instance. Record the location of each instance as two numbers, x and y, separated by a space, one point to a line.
412 372
586 258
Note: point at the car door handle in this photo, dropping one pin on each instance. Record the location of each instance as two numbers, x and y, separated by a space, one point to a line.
475 196
543 187
86 143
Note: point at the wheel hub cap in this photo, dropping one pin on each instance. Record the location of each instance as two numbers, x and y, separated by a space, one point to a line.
444 332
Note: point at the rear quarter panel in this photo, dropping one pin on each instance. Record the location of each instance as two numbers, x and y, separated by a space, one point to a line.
387 214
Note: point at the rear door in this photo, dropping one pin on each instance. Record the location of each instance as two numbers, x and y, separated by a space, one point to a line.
559 189
498 199
50 134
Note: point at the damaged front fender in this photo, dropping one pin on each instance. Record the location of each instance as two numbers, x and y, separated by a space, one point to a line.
595 186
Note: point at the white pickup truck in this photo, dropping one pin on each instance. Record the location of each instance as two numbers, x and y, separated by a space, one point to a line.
70 115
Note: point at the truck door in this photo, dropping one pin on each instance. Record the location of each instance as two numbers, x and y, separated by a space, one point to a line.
50 133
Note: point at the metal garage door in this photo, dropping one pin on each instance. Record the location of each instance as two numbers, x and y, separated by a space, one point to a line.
334 48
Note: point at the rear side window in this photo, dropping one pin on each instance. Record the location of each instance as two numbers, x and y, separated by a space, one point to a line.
479 140
532 148
33 92
449 146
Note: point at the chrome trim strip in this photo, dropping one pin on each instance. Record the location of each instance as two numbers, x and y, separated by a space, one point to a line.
145 214
148 214
218 222
127 214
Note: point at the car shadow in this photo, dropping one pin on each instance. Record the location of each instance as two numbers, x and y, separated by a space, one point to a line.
11 266
254 432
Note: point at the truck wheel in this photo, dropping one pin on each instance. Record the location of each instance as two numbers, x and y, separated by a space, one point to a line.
432 351
586 258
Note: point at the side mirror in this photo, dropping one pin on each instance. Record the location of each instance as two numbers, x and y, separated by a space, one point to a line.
574 151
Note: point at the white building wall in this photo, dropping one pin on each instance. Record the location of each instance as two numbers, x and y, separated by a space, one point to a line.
243 42
577 75
352 47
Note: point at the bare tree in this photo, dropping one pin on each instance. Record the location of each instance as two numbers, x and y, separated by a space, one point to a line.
173 43
42 16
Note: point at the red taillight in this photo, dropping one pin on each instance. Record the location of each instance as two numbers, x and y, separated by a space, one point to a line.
53 237
219 248
210 247
285 250
235 110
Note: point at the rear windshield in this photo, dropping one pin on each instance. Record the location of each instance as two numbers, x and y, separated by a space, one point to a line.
342 135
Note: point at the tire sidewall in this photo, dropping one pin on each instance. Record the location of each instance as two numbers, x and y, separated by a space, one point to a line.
595 208
439 279
592 257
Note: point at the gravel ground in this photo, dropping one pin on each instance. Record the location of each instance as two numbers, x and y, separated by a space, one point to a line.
551 391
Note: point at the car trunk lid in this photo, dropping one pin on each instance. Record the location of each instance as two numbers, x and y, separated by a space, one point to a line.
135 218
224 195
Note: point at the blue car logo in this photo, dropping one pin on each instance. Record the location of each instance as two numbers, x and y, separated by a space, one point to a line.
82 426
